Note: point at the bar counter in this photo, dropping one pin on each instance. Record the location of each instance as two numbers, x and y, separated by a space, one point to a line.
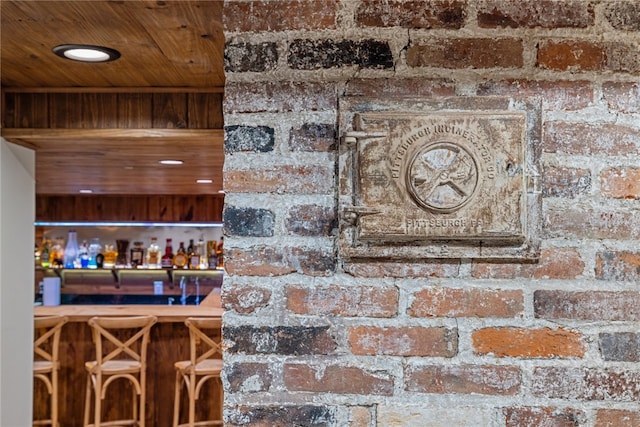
169 343
165 313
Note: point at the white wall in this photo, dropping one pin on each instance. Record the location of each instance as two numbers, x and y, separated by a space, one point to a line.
17 214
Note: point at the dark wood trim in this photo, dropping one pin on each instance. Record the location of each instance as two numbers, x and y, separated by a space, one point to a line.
217 89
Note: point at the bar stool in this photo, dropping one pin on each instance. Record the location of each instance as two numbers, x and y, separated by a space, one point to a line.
121 352
46 361
201 367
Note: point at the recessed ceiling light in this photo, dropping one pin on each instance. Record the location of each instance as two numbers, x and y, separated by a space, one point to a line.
171 162
86 191
86 53
204 181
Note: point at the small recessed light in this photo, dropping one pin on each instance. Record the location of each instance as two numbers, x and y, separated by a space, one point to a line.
86 53
86 191
221 192
204 181
171 162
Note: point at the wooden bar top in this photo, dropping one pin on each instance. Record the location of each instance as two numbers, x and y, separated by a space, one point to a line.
165 313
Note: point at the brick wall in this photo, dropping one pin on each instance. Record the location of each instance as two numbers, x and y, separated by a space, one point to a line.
314 340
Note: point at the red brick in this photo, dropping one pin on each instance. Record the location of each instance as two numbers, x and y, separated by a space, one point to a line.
421 87
312 220
249 377
620 183
312 137
602 139
360 301
535 13
271 261
521 342
467 53
308 179
403 341
586 223
395 269
245 299
280 15
622 96
618 265
623 15
556 95
565 182
281 340
463 379
554 263
280 96
617 418
586 384
591 305
337 379
520 416
278 415
470 302
623 57
448 14
360 416
567 55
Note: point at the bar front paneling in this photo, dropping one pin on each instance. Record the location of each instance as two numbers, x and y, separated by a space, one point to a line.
169 343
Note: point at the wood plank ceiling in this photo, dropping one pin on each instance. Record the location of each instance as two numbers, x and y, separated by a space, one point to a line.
170 51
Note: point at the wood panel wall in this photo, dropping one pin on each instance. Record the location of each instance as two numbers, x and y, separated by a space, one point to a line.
160 208
199 110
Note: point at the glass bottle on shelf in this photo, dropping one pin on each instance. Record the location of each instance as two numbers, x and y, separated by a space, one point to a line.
71 250
94 250
220 252
180 258
45 254
153 254
83 254
194 256
212 259
201 249
122 247
167 258
110 255
56 257
137 255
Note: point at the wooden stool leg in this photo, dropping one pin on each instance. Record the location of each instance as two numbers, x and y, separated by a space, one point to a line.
192 400
176 399
143 388
87 401
97 402
54 398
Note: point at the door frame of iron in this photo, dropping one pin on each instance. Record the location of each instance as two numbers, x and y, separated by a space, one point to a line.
447 178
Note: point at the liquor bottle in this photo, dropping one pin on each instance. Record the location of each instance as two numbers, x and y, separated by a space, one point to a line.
212 259
56 258
45 254
71 250
167 258
202 251
110 255
36 255
220 252
180 258
153 254
137 255
94 250
83 254
194 256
